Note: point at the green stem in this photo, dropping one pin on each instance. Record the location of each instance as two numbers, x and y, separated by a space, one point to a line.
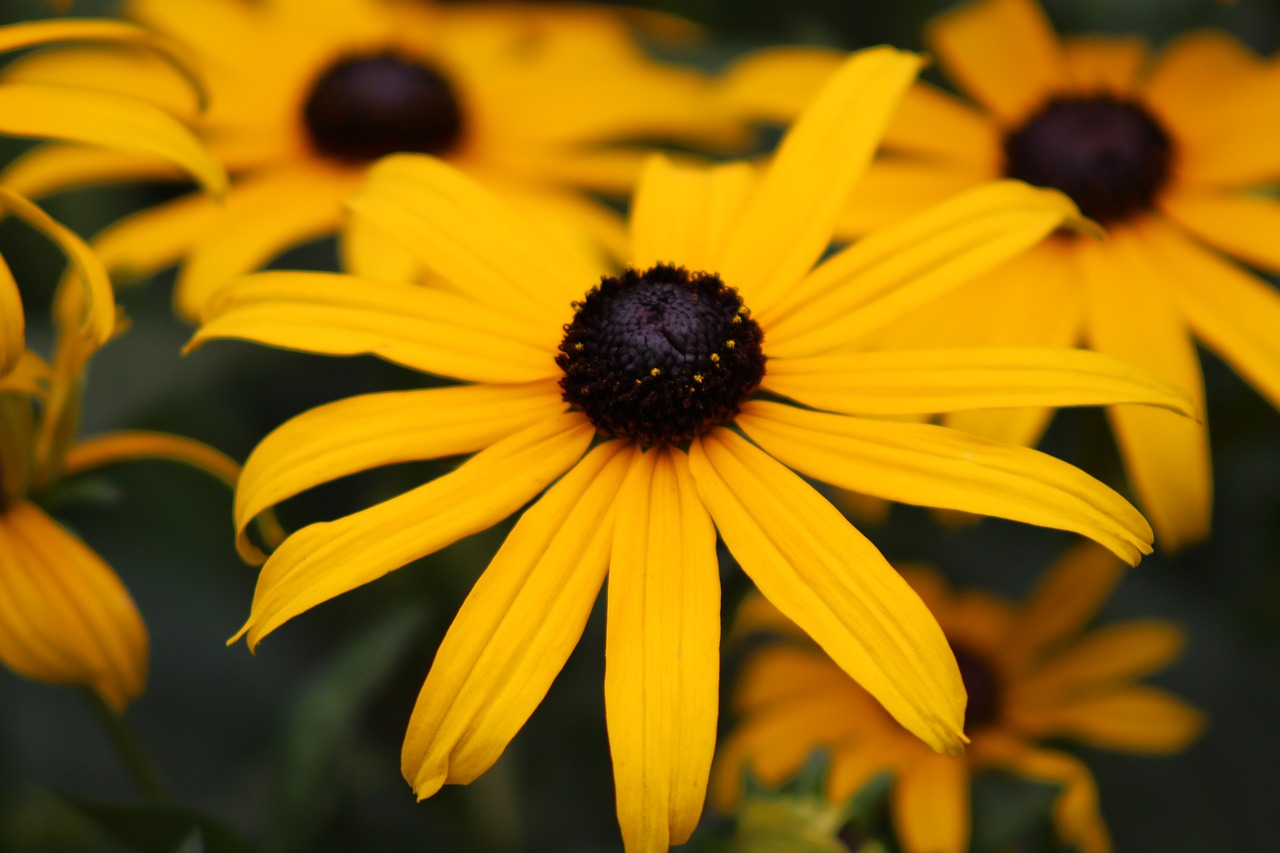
129 747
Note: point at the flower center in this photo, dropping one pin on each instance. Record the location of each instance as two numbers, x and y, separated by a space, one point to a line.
982 683
660 356
1110 155
365 107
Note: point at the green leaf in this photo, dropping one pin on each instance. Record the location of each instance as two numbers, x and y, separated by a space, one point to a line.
1008 809
159 829
319 729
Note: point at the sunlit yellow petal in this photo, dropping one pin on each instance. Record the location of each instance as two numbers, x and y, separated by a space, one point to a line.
1166 457
57 166
683 215
777 83
369 252
428 330
108 120
979 43
324 560
516 628
364 432
1244 226
78 624
895 188
827 578
943 380
886 275
930 805
930 465
789 218
662 652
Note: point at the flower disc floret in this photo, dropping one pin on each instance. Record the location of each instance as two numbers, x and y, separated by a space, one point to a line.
1109 154
365 107
660 356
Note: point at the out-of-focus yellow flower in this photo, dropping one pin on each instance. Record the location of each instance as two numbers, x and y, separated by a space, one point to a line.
621 402
538 103
1030 674
1161 151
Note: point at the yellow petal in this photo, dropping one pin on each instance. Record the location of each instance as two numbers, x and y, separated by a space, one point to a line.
937 126
429 330
13 321
369 252
66 617
1134 719
110 121
146 242
777 83
683 215
516 628
324 560
1097 660
662 652
1240 225
828 579
930 804
895 188
789 218
896 270
1123 283
364 432
472 239
1066 598
264 216
1105 64
944 380
125 446
929 465
96 299
1004 53
57 166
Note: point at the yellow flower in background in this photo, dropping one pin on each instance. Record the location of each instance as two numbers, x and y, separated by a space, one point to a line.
536 103
65 617
623 401
1161 151
1031 673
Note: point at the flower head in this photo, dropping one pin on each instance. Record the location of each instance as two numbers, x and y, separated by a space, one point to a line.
1031 673
1163 151
539 104
626 401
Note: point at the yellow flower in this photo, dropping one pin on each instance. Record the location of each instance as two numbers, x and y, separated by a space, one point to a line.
623 402
65 617
306 94
1029 673
1162 152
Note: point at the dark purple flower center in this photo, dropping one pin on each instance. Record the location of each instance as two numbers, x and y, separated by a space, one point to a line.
660 356
365 107
983 684
1110 155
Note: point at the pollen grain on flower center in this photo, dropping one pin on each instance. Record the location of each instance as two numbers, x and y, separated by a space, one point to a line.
660 356
368 106
1110 155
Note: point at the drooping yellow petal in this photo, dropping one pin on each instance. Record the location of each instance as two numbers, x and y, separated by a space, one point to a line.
473 240
108 120
929 465
1244 226
930 804
125 446
326 559
828 579
358 433
1067 597
66 617
13 321
58 166
1102 658
1105 64
1004 53
662 652
517 627
789 218
682 214
896 270
264 216
426 329
1233 313
1166 456
1134 719
944 380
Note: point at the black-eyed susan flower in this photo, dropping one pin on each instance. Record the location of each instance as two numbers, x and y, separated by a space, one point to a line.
1031 673
1163 152
536 102
648 412
65 616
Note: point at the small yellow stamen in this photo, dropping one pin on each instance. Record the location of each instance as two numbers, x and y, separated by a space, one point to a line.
577 346
715 356
655 372
697 377
731 343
